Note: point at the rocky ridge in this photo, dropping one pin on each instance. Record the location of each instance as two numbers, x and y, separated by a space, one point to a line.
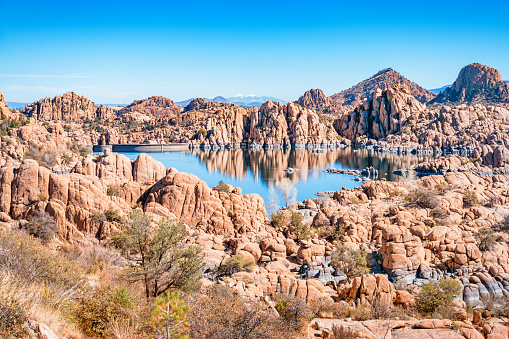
476 83
69 106
349 99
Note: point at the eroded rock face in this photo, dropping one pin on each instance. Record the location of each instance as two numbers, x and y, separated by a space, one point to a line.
97 184
316 100
4 108
69 106
194 203
476 83
388 112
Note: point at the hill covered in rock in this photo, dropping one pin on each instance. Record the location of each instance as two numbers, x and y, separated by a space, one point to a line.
157 106
476 83
69 106
349 99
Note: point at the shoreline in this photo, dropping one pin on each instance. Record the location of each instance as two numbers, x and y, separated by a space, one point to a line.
315 147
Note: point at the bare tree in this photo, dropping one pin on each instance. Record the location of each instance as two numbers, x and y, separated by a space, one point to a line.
288 189
272 201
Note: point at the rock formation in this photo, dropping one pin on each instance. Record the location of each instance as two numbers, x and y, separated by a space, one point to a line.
349 99
4 108
316 100
154 106
70 106
476 83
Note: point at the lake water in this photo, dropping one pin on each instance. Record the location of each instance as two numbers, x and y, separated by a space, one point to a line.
256 171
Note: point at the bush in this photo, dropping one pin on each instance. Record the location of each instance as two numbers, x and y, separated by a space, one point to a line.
326 308
12 317
44 158
170 316
112 215
84 151
342 332
222 187
114 191
469 199
234 264
97 311
42 226
486 239
435 295
158 256
203 132
423 197
353 263
293 312
298 229
42 197
277 220
219 313
481 118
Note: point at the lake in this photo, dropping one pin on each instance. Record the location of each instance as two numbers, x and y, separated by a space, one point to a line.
256 171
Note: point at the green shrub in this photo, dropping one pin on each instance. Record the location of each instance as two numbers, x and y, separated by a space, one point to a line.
298 228
112 215
42 197
293 312
203 132
434 295
353 263
114 191
481 118
277 220
486 239
97 311
84 151
234 264
222 187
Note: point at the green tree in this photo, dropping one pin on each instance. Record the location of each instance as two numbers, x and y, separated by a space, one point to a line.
437 294
158 255
353 263
298 228
170 316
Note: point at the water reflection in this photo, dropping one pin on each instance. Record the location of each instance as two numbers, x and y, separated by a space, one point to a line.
256 171
269 164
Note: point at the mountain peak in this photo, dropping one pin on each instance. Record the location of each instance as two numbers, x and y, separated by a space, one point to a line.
476 83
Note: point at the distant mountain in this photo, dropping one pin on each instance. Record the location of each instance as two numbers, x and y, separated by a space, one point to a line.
439 90
13 104
476 83
349 99
239 100
250 99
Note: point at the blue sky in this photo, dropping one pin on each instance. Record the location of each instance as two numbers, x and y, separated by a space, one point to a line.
119 51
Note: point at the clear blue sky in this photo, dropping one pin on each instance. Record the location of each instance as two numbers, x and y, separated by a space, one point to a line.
119 51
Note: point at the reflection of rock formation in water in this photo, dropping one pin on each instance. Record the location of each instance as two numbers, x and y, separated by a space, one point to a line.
269 164
383 162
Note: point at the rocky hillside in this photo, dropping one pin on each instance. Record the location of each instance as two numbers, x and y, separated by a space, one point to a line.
157 106
273 124
393 120
70 107
349 99
476 83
